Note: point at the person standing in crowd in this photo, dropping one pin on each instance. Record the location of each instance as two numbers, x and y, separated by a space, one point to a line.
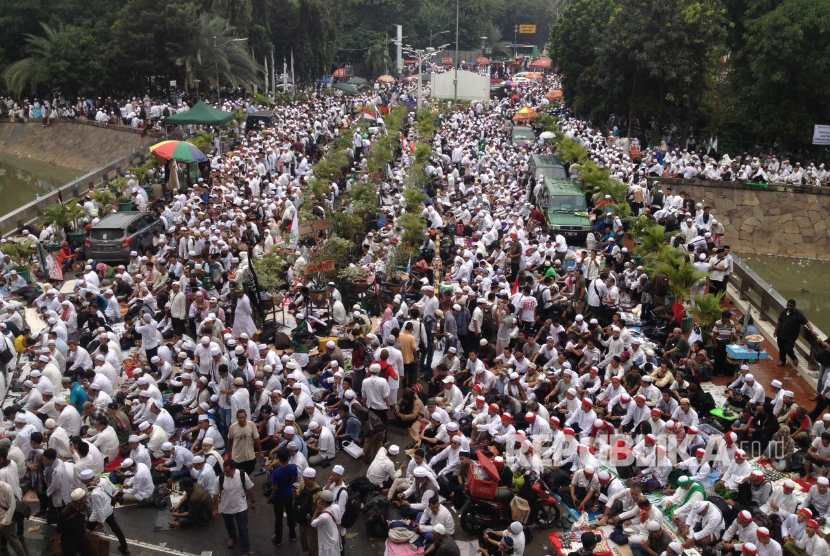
283 478
787 331
235 499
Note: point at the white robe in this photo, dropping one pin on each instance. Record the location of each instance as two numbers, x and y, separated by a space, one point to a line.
328 534
243 317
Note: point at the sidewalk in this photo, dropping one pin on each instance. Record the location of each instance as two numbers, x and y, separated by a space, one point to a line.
767 370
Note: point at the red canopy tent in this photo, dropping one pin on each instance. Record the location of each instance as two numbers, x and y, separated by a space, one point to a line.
340 72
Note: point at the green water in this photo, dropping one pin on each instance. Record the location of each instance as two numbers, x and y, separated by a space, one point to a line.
21 180
804 280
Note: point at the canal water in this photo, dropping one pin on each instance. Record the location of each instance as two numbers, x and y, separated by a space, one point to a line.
22 180
804 280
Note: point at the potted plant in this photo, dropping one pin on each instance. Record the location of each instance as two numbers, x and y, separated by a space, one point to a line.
20 252
56 216
75 214
706 309
119 186
270 274
104 198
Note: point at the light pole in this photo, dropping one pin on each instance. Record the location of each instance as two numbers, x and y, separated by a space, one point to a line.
216 64
438 34
455 68
422 55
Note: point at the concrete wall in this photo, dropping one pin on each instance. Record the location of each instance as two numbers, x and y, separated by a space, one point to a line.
784 221
71 145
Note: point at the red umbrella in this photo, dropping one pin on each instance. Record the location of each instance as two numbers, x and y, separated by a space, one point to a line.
483 61
542 63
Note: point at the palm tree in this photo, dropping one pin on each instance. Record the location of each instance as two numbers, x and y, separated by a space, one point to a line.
682 275
706 309
32 71
214 53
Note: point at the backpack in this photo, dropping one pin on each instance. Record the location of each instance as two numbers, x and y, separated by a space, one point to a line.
352 509
242 477
539 295
377 513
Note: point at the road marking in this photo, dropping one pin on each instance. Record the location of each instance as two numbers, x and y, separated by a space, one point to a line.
156 547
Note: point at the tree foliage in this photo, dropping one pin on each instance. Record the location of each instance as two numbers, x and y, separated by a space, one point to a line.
675 68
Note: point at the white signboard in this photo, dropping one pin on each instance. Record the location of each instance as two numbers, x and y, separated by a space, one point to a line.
821 134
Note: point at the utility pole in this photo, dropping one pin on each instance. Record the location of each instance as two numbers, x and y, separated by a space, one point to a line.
455 68
399 48
273 72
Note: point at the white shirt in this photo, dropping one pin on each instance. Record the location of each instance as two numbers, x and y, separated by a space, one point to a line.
711 523
375 391
70 420
140 485
429 520
381 469
234 498
100 501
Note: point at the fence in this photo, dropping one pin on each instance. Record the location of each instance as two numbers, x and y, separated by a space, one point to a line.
769 303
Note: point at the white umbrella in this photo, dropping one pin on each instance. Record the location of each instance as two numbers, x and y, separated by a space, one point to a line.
547 135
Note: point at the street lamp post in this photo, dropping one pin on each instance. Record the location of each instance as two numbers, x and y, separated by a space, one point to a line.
422 55
438 34
455 68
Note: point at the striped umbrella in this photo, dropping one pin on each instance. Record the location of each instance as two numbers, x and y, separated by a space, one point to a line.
178 150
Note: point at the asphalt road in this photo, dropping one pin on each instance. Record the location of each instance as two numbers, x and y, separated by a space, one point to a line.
150 526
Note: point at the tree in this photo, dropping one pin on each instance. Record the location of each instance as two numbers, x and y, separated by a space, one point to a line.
213 51
377 55
648 62
787 53
64 57
576 45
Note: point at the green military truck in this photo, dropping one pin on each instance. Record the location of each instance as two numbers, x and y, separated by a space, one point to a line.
566 211
547 166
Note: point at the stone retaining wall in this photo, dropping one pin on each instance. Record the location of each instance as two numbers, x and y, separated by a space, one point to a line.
767 222
70 145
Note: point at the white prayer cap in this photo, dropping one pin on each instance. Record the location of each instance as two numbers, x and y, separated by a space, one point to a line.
309 473
338 470
78 494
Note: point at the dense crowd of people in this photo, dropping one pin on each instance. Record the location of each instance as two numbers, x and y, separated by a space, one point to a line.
514 381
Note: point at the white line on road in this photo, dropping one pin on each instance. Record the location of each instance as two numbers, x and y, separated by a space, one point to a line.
140 544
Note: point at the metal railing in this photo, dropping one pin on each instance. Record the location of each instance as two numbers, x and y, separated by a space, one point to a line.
769 303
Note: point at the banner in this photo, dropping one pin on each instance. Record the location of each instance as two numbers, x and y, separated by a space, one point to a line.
527 29
821 134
